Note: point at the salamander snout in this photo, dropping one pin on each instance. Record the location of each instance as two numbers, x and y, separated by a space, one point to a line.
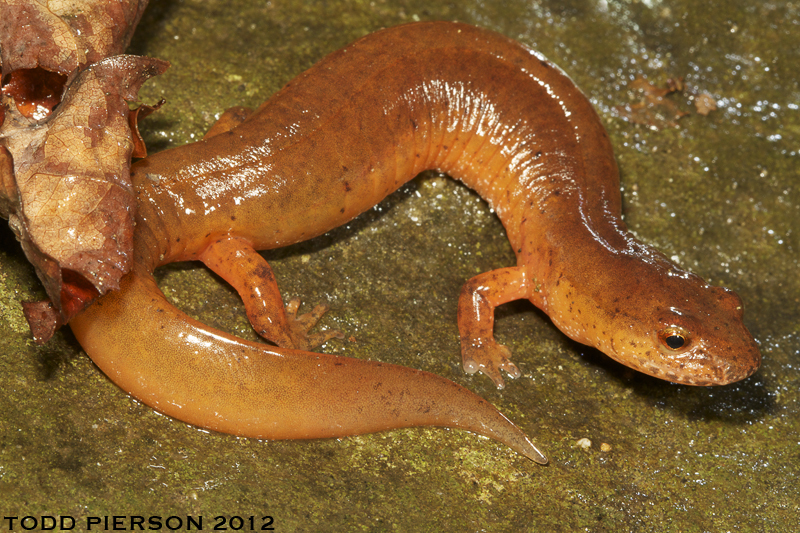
704 342
696 338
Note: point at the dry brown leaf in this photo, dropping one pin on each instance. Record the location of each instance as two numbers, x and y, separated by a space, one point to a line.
41 37
654 109
35 92
705 104
650 90
136 115
8 188
676 85
64 178
73 204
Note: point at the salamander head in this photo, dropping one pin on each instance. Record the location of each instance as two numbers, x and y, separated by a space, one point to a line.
662 321
686 331
699 340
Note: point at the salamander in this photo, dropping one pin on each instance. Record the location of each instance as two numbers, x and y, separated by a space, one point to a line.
332 143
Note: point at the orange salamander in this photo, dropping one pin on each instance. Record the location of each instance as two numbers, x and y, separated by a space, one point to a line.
331 144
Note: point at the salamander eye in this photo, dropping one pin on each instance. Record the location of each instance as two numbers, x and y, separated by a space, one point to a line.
674 338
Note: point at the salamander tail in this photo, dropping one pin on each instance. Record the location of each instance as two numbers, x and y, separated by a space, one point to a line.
213 380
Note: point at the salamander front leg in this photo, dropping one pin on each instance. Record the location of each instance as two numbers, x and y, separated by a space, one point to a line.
479 296
236 261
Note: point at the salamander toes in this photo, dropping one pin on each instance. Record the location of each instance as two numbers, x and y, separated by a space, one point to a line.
490 358
301 324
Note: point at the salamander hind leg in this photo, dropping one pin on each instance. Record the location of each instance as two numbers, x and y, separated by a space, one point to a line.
235 260
229 119
479 296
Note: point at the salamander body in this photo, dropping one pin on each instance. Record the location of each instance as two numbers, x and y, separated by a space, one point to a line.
333 143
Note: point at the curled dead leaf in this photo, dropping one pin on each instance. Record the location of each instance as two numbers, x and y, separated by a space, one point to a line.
46 44
73 206
8 187
36 91
136 115
64 177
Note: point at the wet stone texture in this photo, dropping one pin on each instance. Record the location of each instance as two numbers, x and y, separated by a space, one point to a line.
719 194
